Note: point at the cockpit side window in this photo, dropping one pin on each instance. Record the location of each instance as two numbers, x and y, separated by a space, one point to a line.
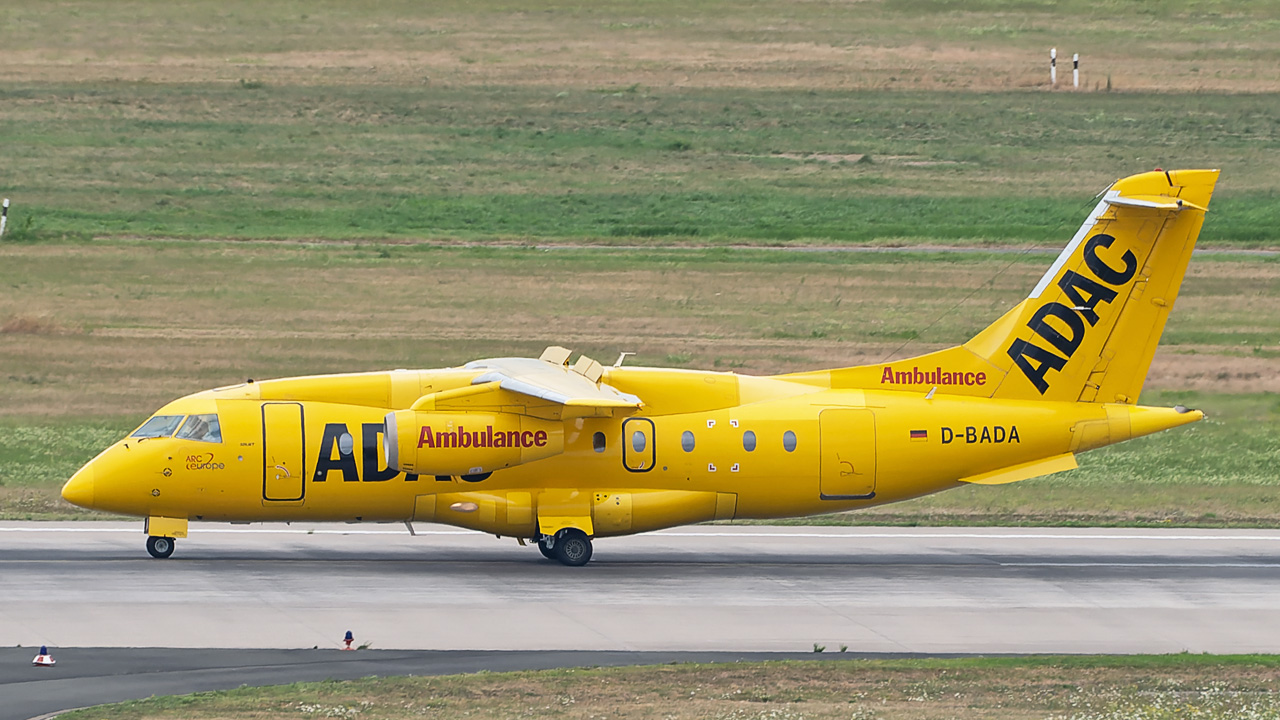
201 428
158 426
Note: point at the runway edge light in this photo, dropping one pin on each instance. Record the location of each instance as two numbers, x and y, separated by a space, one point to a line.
44 659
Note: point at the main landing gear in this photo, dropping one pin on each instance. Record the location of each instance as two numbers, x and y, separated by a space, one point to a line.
160 547
570 546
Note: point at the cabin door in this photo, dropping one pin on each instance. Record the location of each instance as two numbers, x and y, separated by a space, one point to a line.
638 451
284 468
848 449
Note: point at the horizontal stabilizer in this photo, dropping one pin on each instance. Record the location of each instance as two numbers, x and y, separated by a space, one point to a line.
1024 471
1151 202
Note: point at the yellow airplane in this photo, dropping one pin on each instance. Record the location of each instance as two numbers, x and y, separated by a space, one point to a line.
562 453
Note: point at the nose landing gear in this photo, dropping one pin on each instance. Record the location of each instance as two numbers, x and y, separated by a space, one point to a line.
570 546
160 547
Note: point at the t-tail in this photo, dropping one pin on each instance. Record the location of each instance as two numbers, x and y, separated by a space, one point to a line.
1089 328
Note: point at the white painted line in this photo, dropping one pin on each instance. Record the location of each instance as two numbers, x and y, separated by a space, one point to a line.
1141 564
982 536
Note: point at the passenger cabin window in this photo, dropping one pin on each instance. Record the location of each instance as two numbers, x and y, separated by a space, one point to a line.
637 441
158 426
789 441
686 441
749 441
597 442
201 428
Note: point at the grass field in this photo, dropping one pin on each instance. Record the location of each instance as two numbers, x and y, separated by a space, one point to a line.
1068 688
715 166
894 121
150 149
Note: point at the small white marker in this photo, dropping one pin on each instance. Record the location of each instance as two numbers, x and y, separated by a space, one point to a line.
4 216
1053 66
1075 70
44 659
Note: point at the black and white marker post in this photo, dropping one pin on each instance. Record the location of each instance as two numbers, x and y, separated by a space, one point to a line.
1053 66
4 216
1075 71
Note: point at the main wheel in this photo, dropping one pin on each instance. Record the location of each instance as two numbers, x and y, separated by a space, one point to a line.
547 552
160 547
573 548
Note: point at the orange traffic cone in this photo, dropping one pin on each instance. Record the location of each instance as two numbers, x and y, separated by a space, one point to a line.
44 659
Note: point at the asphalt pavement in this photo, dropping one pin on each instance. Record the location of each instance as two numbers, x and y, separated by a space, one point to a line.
249 604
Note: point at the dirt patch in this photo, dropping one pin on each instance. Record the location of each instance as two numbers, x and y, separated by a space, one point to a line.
1212 370
32 325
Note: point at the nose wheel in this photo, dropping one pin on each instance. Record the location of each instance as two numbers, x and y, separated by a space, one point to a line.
160 547
571 547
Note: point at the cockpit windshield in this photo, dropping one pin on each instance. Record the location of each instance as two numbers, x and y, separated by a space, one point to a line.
158 426
201 428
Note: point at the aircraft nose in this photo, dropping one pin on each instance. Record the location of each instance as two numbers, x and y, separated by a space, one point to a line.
79 489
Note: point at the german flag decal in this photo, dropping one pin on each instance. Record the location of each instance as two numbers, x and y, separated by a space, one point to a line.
919 435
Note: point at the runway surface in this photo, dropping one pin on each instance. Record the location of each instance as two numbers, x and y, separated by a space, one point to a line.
728 588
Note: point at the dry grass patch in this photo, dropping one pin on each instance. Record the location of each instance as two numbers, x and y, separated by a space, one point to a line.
864 45
32 325
162 320
1001 689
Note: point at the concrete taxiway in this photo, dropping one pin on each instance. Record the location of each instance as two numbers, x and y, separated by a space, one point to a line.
709 588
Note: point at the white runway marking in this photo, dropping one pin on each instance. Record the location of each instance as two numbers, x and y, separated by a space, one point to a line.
1140 564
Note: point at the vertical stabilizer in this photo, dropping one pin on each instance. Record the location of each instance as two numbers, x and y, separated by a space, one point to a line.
1090 327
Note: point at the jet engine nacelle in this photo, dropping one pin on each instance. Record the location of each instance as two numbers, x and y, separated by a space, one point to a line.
452 443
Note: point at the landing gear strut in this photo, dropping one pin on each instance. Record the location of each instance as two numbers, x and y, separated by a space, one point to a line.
160 547
545 549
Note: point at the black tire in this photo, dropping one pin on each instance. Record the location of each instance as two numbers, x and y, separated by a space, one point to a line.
547 552
573 548
160 547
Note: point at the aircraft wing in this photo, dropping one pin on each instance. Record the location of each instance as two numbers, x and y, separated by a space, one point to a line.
547 387
554 383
